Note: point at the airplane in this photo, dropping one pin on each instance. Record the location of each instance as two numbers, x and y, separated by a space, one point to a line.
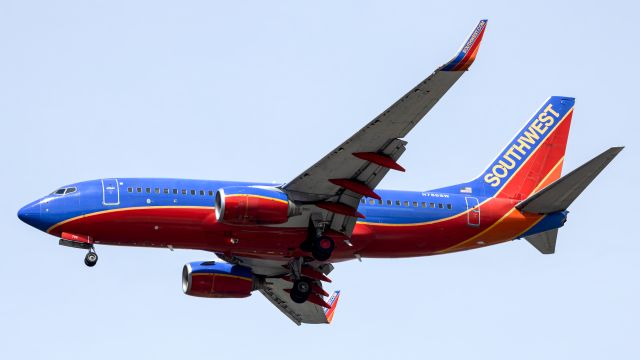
283 239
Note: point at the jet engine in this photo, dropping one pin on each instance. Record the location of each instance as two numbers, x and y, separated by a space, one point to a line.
217 280
253 205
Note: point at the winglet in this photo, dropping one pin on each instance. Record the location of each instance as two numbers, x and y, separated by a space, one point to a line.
333 302
468 51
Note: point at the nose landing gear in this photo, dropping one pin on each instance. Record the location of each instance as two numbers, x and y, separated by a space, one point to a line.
81 242
91 259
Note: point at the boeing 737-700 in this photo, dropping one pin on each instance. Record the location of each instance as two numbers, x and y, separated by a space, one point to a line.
282 239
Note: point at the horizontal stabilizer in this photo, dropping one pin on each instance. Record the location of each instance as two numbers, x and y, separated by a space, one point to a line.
545 242
558 195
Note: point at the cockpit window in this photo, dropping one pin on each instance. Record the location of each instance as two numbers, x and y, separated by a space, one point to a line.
64 191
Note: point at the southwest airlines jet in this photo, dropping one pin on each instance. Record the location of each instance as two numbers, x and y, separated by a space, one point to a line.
281 240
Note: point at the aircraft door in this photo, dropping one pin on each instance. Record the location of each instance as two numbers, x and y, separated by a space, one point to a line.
110 192
473 216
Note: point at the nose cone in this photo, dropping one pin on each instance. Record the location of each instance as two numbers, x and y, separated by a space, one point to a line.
30 214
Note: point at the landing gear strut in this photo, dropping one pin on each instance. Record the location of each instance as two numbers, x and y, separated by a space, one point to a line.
91 258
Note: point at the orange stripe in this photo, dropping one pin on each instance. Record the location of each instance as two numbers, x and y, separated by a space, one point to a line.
519 219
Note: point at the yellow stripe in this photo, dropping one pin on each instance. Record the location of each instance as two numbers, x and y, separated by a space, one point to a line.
225 275
155 207
547 176
258 196
422 223
127 209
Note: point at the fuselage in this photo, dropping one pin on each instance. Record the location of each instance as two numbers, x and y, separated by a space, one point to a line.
179 213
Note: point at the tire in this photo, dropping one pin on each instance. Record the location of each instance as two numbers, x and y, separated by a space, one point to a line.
91 259
300 291
306 246
323 248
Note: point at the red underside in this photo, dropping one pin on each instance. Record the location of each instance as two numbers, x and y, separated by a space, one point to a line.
196 228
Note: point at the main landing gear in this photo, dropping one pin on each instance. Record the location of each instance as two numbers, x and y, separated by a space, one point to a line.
91 259
307 282
321 246
300 291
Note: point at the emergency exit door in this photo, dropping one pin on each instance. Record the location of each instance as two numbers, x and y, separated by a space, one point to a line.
110 192
473 214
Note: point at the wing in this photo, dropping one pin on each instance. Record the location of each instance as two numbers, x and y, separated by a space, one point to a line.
307 312
276 285
339 180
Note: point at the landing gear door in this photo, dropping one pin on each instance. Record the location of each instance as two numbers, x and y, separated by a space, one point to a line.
473 214
110 192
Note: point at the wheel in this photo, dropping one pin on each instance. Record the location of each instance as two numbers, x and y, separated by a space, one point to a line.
322 248
300 291
91 259
306 246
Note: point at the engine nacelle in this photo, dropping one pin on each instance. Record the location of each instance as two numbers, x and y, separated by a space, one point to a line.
253 205
217 280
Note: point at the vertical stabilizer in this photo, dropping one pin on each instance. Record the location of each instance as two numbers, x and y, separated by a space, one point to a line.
531 160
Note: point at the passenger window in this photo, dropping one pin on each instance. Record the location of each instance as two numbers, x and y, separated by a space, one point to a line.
201 192
406 203
389 202
193 192
424 204
175 191
184 191
397 202
372 201
139 189
157 190
166 191
439 205
129 189
449 206
148 190
210 192
363 201
432 205
415 204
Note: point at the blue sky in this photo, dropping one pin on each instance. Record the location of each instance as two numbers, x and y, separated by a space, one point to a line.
255 91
